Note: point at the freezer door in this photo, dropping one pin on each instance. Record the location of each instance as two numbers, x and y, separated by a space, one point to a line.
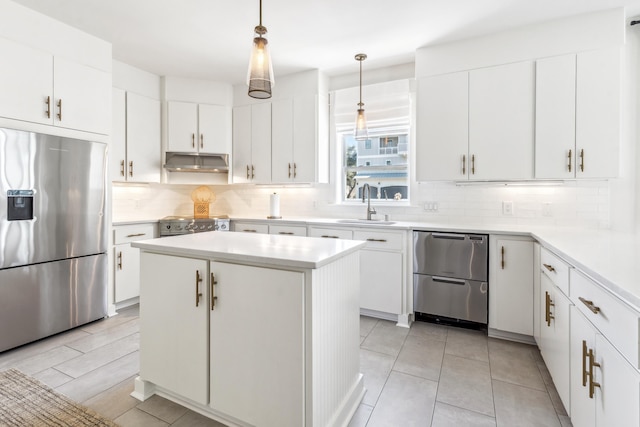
43 299
462 256
453 298
52 198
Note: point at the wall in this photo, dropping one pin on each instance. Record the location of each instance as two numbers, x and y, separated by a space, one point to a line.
589 204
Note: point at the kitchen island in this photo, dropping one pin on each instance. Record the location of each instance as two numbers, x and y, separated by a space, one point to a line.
251 329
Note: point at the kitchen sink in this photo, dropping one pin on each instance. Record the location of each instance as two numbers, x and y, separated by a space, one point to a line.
365 221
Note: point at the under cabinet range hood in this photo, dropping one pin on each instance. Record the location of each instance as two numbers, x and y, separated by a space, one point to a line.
196 162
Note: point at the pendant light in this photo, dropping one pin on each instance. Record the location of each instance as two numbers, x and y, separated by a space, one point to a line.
360 131
260 74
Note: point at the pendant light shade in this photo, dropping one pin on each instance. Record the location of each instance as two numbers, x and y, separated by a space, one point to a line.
360 131
260 73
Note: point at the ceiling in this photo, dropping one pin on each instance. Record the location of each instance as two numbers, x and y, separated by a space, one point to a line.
211 39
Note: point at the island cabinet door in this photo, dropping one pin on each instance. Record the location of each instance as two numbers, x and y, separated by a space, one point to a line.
257 344
173 324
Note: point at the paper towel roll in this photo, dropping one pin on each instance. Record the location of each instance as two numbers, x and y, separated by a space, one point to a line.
274 206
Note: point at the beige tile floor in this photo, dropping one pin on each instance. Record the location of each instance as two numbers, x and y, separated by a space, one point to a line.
429 375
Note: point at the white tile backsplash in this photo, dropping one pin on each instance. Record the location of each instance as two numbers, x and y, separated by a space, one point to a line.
572 203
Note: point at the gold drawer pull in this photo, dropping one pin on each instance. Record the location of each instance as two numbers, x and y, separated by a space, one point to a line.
464 164
569 160
131 168
48 102
120 260
581 160
198 293
250 231
377 240
121 167
289 170
549 267
594 309
326 236
248 175
288 233
502 257
60 109
136 235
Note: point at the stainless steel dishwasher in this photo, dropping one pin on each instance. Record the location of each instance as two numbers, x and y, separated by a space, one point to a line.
450 276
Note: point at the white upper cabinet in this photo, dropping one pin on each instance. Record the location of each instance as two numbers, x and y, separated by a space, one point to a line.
578 115
81 94
202 128
501 114
443 127
598 86
26 83
40 88
134 152
293 142
556 117
252 143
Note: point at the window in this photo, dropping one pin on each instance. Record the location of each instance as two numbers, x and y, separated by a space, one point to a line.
381 160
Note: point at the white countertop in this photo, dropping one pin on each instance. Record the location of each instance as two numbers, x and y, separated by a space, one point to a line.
611 258
262 249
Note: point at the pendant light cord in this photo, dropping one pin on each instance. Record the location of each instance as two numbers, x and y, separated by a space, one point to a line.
261 13
360 104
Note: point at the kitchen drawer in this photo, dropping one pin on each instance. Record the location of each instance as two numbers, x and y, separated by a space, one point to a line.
249 227
388 240
288 230
131 233
555 269
618 322
331 233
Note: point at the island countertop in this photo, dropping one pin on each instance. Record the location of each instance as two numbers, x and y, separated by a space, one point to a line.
264 249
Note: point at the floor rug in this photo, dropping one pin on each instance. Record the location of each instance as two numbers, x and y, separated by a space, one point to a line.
25 401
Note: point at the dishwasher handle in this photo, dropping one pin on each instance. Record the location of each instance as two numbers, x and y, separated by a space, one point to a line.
449 280
452 236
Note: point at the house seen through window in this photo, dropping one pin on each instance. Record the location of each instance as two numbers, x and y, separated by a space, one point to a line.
381 160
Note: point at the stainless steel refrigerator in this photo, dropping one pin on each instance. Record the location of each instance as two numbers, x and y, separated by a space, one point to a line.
53 237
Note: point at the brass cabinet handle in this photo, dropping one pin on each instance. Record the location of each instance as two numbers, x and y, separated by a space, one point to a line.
289 169
213 297
569 160
464 164
288 233
120 260
548 305
198 293
48 102
247 171
584 363
250 231
295 167
131 168
122 167
136 235
201 140
473 164
253 175
582 160
377 240
594 309
549 267
60 109
592 383
502 257
193 140
326 236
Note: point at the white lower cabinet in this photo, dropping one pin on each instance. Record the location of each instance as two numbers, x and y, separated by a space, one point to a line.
250 227
605 388
288 230
245 363
511 284
174 349
382 270
126 275
554 337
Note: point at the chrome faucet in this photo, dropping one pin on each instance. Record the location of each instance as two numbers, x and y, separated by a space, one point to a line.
370 211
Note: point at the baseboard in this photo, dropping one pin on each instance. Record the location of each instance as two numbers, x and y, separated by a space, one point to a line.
511 336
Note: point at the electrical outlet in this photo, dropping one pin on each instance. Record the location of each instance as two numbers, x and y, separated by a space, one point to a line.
507 208
431 206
